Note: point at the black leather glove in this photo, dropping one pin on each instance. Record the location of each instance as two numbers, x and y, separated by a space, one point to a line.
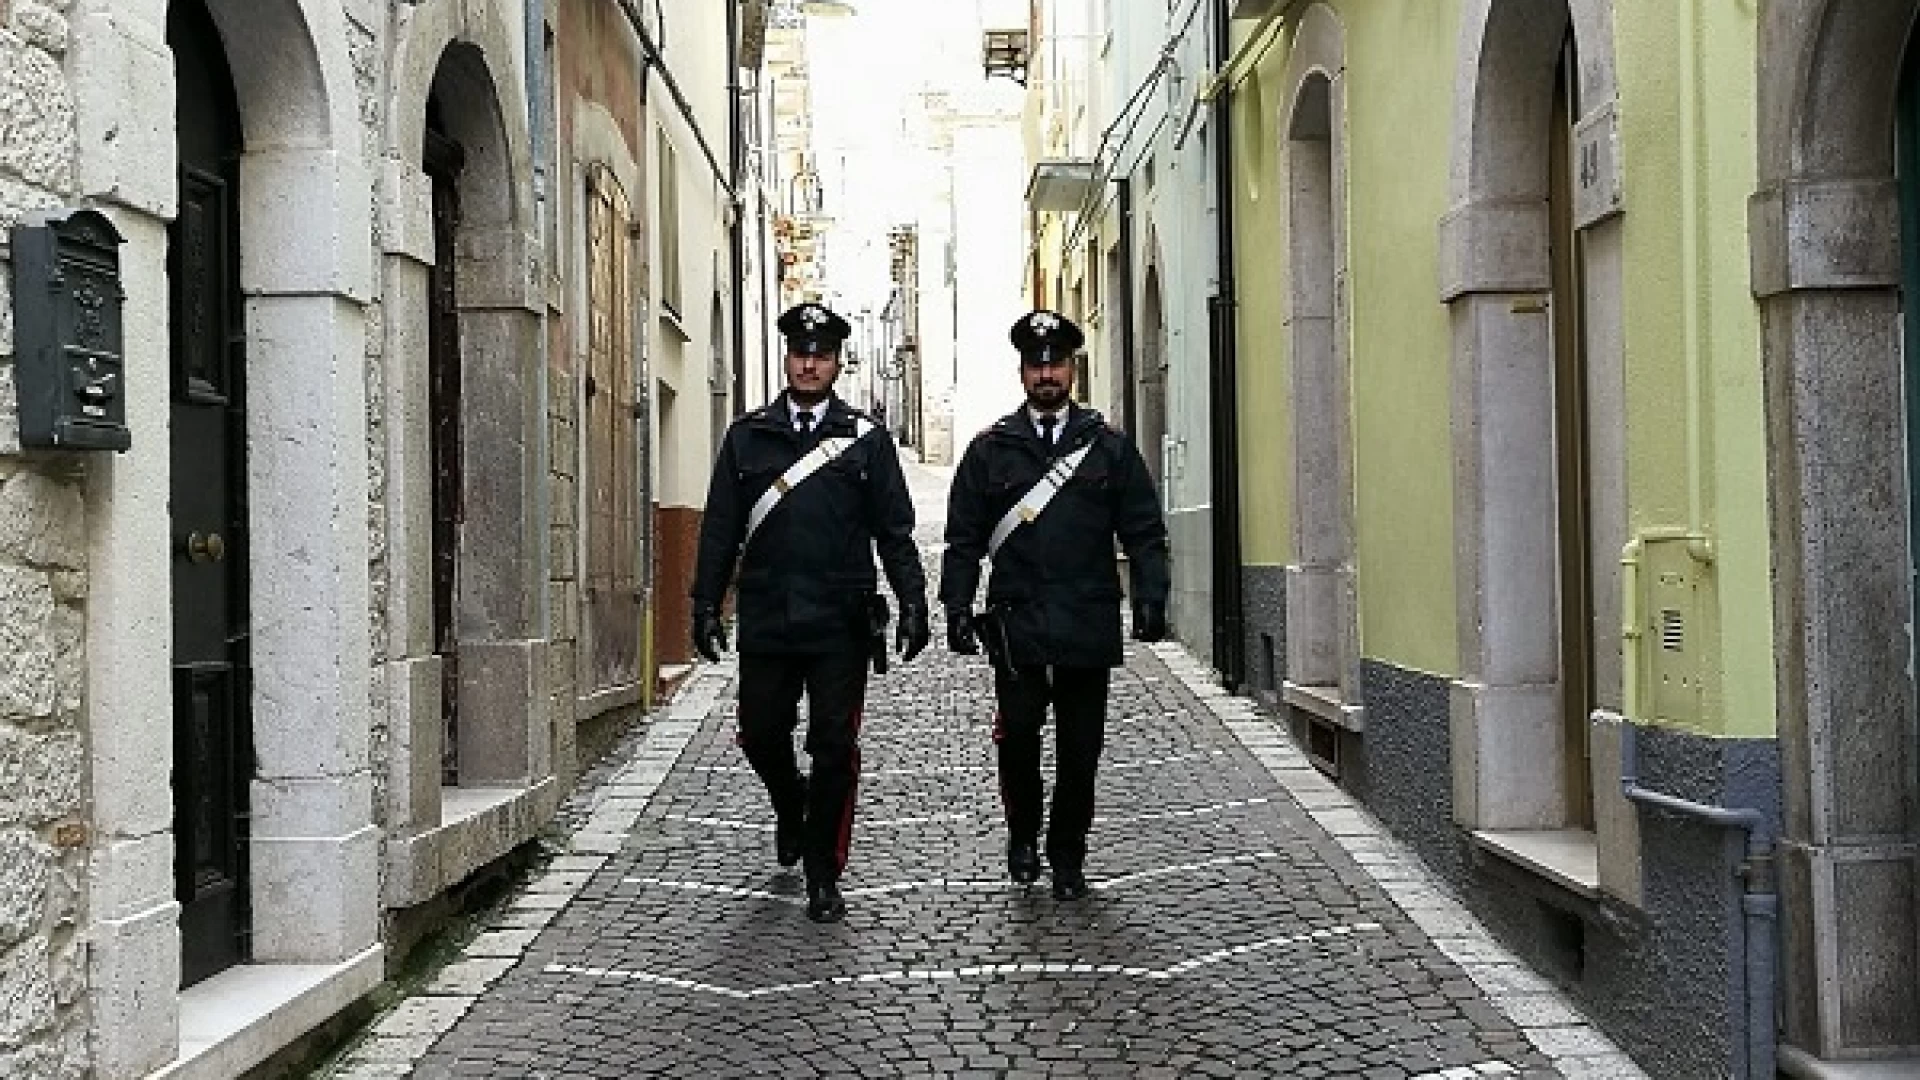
1149 621
709 632
960 636
912 634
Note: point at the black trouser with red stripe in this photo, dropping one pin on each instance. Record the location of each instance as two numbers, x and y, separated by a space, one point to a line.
1079 699
835 684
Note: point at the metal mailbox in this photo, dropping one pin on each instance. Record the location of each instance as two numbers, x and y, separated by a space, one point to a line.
69 345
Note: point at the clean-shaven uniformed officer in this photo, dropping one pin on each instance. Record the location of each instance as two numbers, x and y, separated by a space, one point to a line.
803 491
1043 494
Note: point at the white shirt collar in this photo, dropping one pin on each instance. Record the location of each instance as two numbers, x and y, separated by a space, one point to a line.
818 409
1060 422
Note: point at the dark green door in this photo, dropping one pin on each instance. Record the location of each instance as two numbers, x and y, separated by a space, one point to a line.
212 746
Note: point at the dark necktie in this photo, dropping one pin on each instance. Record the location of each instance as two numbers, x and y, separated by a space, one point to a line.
804 419
1047 420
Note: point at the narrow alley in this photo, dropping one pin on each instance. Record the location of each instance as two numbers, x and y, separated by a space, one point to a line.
1245 920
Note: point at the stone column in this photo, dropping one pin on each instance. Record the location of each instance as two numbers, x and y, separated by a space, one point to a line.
1826 266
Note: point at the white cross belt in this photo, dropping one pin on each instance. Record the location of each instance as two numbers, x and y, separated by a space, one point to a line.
1035 500
810 462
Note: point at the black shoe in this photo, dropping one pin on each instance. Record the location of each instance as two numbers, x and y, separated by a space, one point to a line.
1023 862
824 904
790 829
1069 883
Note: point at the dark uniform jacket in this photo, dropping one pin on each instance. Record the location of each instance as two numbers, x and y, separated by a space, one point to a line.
1055 584
806 575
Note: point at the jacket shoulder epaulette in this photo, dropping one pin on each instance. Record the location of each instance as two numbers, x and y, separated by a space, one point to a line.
858 414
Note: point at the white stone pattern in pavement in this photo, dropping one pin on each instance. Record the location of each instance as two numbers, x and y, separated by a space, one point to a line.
1547 1018
1228 933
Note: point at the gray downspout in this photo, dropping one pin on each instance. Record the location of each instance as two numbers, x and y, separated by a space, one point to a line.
537 119
1759 904
736 228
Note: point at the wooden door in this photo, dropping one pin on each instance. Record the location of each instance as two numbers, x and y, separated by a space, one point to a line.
443 160
613 487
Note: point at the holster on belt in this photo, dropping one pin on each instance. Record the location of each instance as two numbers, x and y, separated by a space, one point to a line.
991 628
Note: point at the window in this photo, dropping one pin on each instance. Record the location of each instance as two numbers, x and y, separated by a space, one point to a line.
669 231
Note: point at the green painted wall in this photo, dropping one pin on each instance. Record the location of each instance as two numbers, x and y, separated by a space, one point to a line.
1695 405
1400 75
1266 461
1689 332
1399 111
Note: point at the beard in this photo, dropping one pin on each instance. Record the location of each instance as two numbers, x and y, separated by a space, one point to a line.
1047 396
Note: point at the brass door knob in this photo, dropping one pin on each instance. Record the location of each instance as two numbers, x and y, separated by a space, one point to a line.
206 547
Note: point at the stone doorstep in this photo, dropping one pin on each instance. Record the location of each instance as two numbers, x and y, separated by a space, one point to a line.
1567 857
242 1016
672 678
1796 1062
478 826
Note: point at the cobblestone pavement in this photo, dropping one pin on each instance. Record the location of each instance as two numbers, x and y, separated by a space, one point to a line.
1245 920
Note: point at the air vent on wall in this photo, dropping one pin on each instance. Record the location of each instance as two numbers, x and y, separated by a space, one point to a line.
1673 630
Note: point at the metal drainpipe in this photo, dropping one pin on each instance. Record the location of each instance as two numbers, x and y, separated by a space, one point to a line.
535 28
736 228
1759 904
1229 601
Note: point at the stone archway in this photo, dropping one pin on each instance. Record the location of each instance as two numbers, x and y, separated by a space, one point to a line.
1509 734
306 281
1150 392
454 59
1826 229
1323 641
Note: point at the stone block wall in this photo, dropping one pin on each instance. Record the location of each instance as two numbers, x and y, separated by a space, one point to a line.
43 594
363 45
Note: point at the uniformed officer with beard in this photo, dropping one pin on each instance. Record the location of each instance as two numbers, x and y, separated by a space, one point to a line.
1044 494
803 491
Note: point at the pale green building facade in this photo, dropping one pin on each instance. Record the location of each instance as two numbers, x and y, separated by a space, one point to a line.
1573 467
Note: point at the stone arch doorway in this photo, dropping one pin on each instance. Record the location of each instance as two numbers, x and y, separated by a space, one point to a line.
1840 190
1150 423
268 444
1531 270
480 342
464 565
294 338
1323 662
479 408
